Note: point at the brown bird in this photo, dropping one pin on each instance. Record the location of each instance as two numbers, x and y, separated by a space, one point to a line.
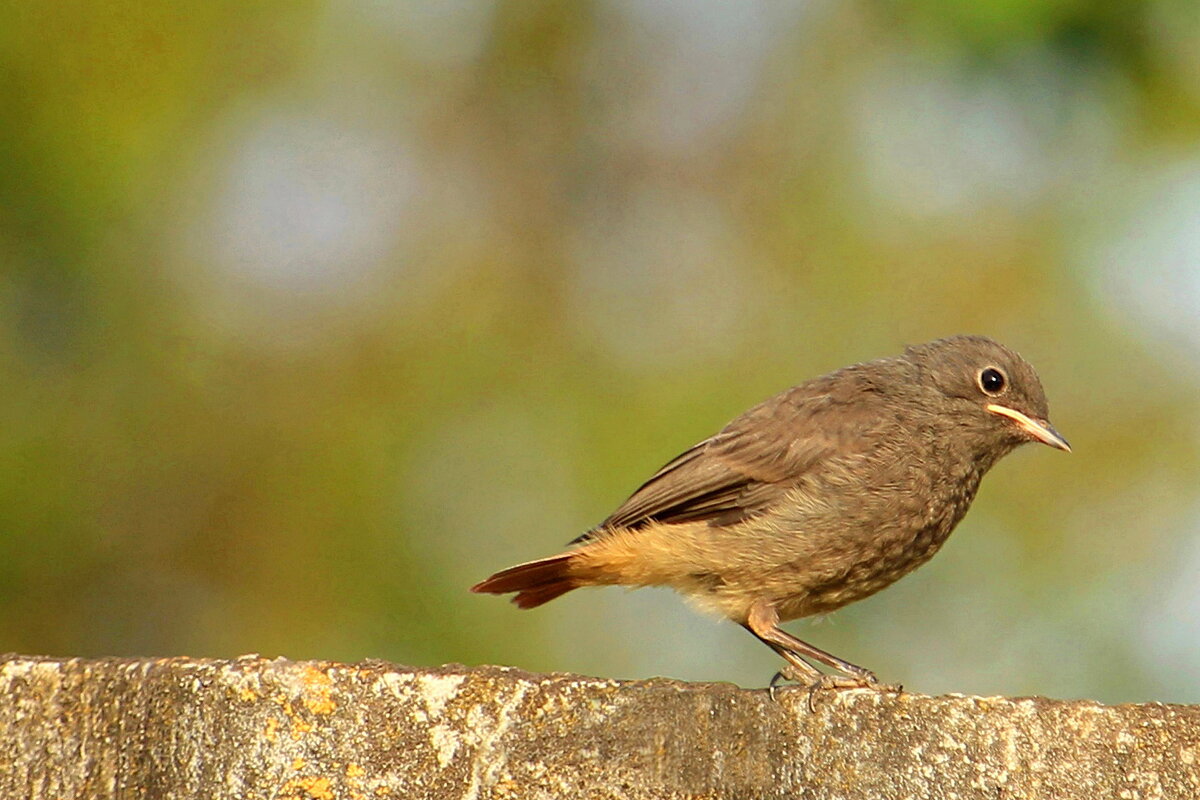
820 496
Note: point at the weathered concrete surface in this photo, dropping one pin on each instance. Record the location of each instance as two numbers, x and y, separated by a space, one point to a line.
253 728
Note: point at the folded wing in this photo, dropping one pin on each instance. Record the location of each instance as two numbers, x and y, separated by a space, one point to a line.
752 463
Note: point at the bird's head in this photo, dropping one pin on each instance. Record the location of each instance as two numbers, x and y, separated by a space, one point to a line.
989 390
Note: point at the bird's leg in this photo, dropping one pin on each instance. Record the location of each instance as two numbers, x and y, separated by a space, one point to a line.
797 670
763 622
803 673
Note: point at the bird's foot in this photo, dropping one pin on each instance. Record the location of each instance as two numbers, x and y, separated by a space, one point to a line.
863 680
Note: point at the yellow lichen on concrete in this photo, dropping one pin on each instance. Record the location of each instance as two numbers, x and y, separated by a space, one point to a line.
312 788
318 691
354 774
271 732
299 728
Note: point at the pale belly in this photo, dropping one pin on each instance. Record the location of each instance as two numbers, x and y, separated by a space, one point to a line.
809 572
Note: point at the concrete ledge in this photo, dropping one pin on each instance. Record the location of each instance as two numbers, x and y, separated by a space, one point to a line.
256 728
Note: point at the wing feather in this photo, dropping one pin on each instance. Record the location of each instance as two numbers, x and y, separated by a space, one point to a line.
751 464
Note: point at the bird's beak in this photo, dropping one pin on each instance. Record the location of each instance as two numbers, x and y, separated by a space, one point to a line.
1039 429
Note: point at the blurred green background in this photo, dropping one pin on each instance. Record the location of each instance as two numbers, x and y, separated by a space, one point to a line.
314 314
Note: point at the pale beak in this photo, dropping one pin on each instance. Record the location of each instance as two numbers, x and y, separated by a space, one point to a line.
1039 429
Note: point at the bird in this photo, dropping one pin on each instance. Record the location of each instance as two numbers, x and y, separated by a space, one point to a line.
818 497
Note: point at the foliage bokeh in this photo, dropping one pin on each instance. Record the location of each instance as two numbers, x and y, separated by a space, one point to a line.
314 314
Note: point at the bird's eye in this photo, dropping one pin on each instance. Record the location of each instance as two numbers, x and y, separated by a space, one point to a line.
991 380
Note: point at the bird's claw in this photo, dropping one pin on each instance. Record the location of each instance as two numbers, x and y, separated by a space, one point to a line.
865 680
775 679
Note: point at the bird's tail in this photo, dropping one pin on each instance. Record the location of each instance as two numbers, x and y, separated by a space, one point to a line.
535 582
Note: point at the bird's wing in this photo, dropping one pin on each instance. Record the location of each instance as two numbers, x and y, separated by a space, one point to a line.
747 467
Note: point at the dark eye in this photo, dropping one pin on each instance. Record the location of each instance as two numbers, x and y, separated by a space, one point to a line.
991 380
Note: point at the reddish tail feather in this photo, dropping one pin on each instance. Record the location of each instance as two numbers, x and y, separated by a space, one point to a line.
535 582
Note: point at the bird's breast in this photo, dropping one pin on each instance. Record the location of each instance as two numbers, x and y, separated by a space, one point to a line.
846 551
